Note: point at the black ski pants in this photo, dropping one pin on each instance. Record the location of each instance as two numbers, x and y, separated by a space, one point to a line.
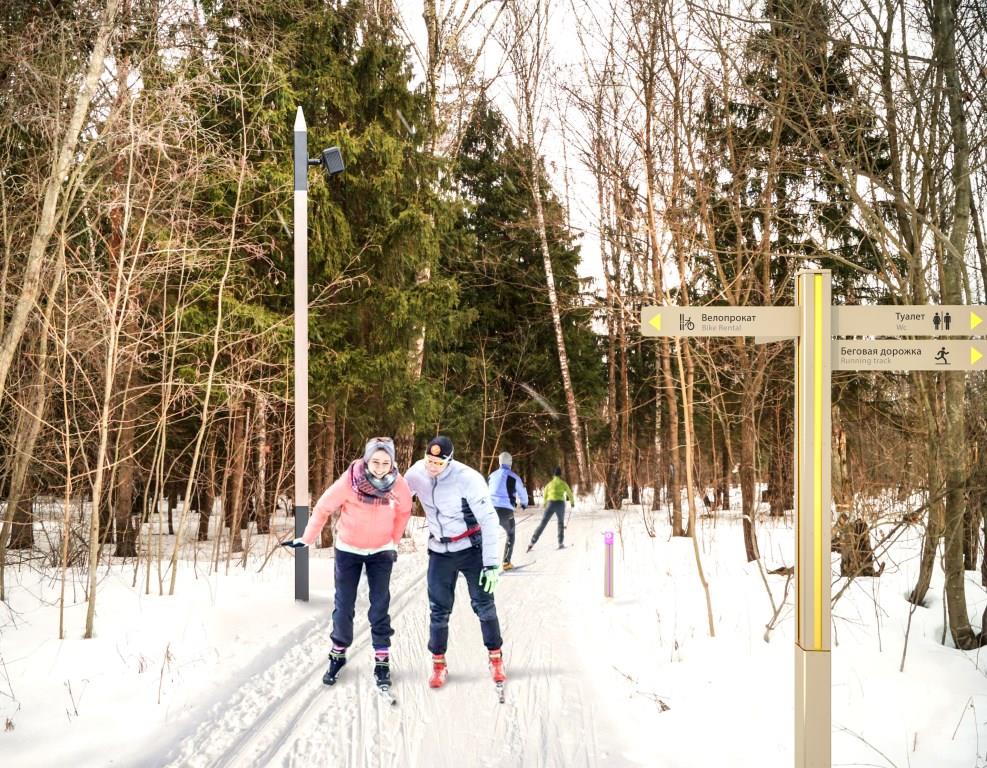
507 523
556 508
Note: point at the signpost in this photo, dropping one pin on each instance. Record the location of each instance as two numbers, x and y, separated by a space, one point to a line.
814 324
813 390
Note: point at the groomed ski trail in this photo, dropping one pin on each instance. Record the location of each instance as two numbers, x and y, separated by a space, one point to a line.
269 707
552 716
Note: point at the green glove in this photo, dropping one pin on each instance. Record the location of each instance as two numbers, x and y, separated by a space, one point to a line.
489 577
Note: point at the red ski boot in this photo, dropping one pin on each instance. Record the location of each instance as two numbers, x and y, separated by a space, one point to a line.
497 666
439 671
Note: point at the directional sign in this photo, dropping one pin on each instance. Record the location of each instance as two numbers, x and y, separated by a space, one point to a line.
720 321
918 320
885 355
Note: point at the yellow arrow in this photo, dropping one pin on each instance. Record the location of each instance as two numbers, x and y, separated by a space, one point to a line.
975 319
974 355
656 322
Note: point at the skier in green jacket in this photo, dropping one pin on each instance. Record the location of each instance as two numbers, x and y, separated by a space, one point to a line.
555 494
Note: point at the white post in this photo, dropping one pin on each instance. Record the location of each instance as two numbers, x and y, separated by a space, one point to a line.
301 350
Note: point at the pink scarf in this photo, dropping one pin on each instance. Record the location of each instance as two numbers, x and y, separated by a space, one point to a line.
366 492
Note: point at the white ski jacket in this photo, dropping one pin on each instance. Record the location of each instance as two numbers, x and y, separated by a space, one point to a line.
448 500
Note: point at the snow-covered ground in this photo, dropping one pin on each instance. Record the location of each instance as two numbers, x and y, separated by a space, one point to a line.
228 671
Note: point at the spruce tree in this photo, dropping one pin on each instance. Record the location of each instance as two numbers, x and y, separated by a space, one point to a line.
509 345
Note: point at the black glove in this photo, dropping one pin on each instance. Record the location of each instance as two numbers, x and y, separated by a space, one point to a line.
294 544
394 555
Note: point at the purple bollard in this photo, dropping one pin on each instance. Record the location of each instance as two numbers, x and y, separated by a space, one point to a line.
608 564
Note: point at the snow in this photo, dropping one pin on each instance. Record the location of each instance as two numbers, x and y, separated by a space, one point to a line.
228 671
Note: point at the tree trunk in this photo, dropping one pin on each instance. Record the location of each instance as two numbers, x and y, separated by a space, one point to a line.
124 408
612 475
625 442
19 522
123 498
723 484
234 510
172 505
841 486
22 518
674 460
686 379
781 482
954 437
262 459
553 302
64 155
748 449
659 463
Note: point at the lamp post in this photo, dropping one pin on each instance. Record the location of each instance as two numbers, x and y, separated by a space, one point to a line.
332 162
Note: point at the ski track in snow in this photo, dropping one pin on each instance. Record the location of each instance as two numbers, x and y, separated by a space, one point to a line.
270 706
285 716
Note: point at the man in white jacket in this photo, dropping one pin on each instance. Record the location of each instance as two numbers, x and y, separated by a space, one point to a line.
462 525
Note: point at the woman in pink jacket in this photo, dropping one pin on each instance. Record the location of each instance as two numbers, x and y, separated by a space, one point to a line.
374 503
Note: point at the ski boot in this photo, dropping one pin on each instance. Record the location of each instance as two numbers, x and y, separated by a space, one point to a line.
497 666
337 659
507 566
439 671
382 672
497 673
382 676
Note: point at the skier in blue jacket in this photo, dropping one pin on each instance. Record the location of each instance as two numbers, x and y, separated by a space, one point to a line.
507 491
462 527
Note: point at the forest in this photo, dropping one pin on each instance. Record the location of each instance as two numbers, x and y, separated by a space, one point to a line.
522 178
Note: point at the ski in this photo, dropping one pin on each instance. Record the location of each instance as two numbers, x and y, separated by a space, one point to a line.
519 567
386 695
500 692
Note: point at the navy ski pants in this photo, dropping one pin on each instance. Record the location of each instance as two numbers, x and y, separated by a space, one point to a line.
443 571
348 569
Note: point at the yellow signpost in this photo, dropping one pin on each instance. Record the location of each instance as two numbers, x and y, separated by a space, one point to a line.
813 387
813 323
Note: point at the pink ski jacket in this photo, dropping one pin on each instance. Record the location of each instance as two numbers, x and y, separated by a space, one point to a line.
362 525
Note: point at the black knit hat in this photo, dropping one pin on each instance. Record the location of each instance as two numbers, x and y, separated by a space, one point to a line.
439 447
558 471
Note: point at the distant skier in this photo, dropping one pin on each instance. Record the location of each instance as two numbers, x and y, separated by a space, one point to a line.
462 527
555 494
507 491
375 504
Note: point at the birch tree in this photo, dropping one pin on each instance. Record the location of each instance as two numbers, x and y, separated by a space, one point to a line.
528 50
